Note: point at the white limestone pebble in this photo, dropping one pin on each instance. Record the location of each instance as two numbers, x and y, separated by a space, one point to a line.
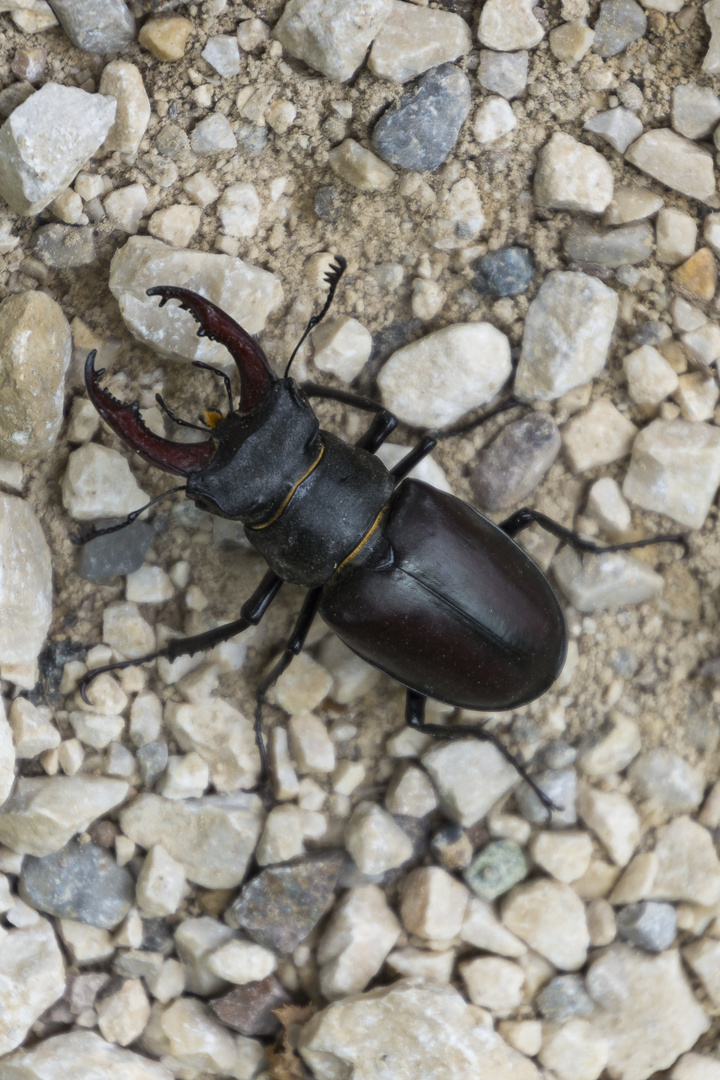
619 127
606 581
126 206
122 1015
650 377
427 470
703 343
433 903
125 630
668 779
222 736
688 868
470 777
482 928
697 395
188 1037
434 967
176 224
124 82
342 346
145 718
186 776
613 819
214 837
352 677
675 470
47 140
81 1053
359 167
567 335
645 1009
631 203
195 941
703 956
711 63
96 729
222 52
311 747
550 917
564 855
411 793
614 751
284 777
601 922
331 36
44 813
98 483
7 756
149 585
636 881
347 776
413 39
375 840
675 161
33 977
696 1067
493 120
596 436
239 210
572 176
413 1029
247 293
524 1035
675 234
25 584
494 983
213 135
252 33
361 932
695 110
282 836
570 41
574 1050
201 189
160 884
241 962
302 686
436 380
507 25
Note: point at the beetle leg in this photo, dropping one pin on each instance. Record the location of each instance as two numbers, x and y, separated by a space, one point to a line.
383 425
521 519
297 639
415 718
252 612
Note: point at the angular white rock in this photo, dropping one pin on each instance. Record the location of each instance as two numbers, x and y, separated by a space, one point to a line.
482 928
44 813
414 39
361 932
124 82
191 1042
494 983
160 883
81 1053
122 1016
572 176
311 747
282 837
675 161
222 52
239 210
352 677
508 25
242 962
675 232
410 793
176 224
98 483
605 581
433 903
375 841
46 141
149 585
33 977
247 293
687 864
613 819
574 1050
331 36
458 219
607 505
25 582
493 119
427 470
619 127
675 470
96 730
695 110
196 940
614 752
433 382
7 756
650 378
596 436
223 738
567 335
186 776
126 206
342 347
550 917
470 777
360 167
565 855
711 63
125 630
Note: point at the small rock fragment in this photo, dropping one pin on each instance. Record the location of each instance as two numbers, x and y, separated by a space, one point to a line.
650 377
250 1009
564 998
507 25
331 36
507 272
160 883
44 813
494 983
413 39
619 127
597 436
222 53
613 819
496 868
433 903
360 167
687 865
619 24
650 926
358 937
124 82
23 1000
165 38
420 131
470 777
674 161
81 881
625 246
97 26
675 234
698 275
550 917
493 120
503 73
574 1051
375 841
695 110
572 176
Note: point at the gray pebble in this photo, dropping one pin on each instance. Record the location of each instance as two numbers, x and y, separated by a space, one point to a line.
98 26
653 332
557 754
420 131
667 778
625 663
503 73
251 139
631 96
619 24
327 204
152 760
172 141
82 882
564 998
560 785
649 925
62 246
494 870
507 272
515 462
120 552
625 246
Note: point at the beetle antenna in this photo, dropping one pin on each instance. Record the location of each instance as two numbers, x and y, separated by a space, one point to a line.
332 277
221 375
468 425
89 532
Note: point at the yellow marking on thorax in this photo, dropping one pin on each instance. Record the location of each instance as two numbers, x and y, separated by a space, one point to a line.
293 489
373 529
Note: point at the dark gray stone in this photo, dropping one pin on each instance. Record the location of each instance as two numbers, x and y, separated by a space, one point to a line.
152 760
82 881
560 785
564 998
515 462
249 1009
649 925
327 204
496 868
118 553
619 24
63 246
420 131
507 272
626 246
98 26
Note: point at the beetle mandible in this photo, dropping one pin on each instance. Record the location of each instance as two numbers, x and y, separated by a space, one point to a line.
412 579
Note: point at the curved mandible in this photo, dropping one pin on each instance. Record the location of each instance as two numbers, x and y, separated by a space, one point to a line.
126 421
255 373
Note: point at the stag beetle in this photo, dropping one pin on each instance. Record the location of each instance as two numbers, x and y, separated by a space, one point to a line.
413 580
